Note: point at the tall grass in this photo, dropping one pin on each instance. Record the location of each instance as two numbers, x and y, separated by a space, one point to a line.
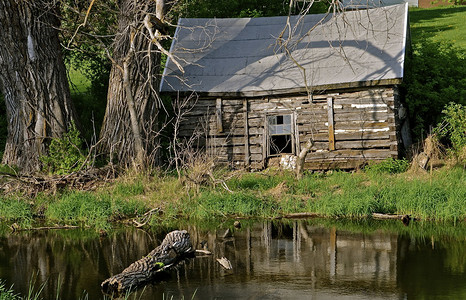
7 293
16 210
440 196
95 210
35 293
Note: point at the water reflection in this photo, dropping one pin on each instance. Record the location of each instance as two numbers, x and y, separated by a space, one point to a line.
271 260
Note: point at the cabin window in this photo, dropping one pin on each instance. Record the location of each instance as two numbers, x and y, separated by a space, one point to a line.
280 134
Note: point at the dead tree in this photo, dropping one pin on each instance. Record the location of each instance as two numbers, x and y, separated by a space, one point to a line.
175 247
302 158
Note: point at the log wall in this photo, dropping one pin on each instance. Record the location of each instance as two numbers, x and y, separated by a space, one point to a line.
349 127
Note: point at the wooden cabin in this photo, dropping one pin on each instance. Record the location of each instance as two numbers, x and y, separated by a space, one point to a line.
253 101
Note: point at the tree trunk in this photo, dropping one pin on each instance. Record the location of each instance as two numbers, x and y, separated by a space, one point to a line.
302 158
33 81
175 246
130 125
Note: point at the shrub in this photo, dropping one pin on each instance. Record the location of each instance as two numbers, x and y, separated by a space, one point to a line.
453 126
65 155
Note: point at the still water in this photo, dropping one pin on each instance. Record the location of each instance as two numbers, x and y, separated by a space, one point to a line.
310 259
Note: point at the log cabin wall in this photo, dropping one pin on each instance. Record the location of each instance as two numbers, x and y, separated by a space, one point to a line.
349 127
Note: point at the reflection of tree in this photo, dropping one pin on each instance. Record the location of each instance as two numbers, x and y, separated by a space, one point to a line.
79 259
427 268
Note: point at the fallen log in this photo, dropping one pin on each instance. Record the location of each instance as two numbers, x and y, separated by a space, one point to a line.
15 227
404 218
175 247
301 215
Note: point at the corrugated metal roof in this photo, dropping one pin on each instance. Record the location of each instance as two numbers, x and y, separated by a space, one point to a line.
242 56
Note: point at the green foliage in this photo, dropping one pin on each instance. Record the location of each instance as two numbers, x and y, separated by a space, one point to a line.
89 96
337 194
435 76
228 9
242 8
65 154
8 169
453 126
7 293
389 166
87 60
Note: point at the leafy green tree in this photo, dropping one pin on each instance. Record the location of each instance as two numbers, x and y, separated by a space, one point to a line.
229 8
435 76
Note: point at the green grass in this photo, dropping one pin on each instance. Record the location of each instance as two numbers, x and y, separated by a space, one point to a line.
440 197
7 293
440 24
17 210
79 83
96 210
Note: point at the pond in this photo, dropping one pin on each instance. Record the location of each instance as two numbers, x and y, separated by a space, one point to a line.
300 259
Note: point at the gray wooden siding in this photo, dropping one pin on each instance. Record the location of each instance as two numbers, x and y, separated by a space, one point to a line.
364 127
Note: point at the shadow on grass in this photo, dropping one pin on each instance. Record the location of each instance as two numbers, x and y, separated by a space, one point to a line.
428 22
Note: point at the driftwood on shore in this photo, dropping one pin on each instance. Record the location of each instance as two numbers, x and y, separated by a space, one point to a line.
175 247
404 218
15 227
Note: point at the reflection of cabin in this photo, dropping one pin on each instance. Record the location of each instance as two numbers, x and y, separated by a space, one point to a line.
314 261
254 103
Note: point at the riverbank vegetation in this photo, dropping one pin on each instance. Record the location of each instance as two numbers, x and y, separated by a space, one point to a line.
151 199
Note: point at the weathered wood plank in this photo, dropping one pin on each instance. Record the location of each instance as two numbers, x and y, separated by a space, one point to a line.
331 165
347 126
219 115
234 140
350 153
246 132
331 132
363 116
313 127
351 136
364 144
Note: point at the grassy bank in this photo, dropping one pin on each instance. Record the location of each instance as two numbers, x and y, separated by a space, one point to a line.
440 196
439 24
